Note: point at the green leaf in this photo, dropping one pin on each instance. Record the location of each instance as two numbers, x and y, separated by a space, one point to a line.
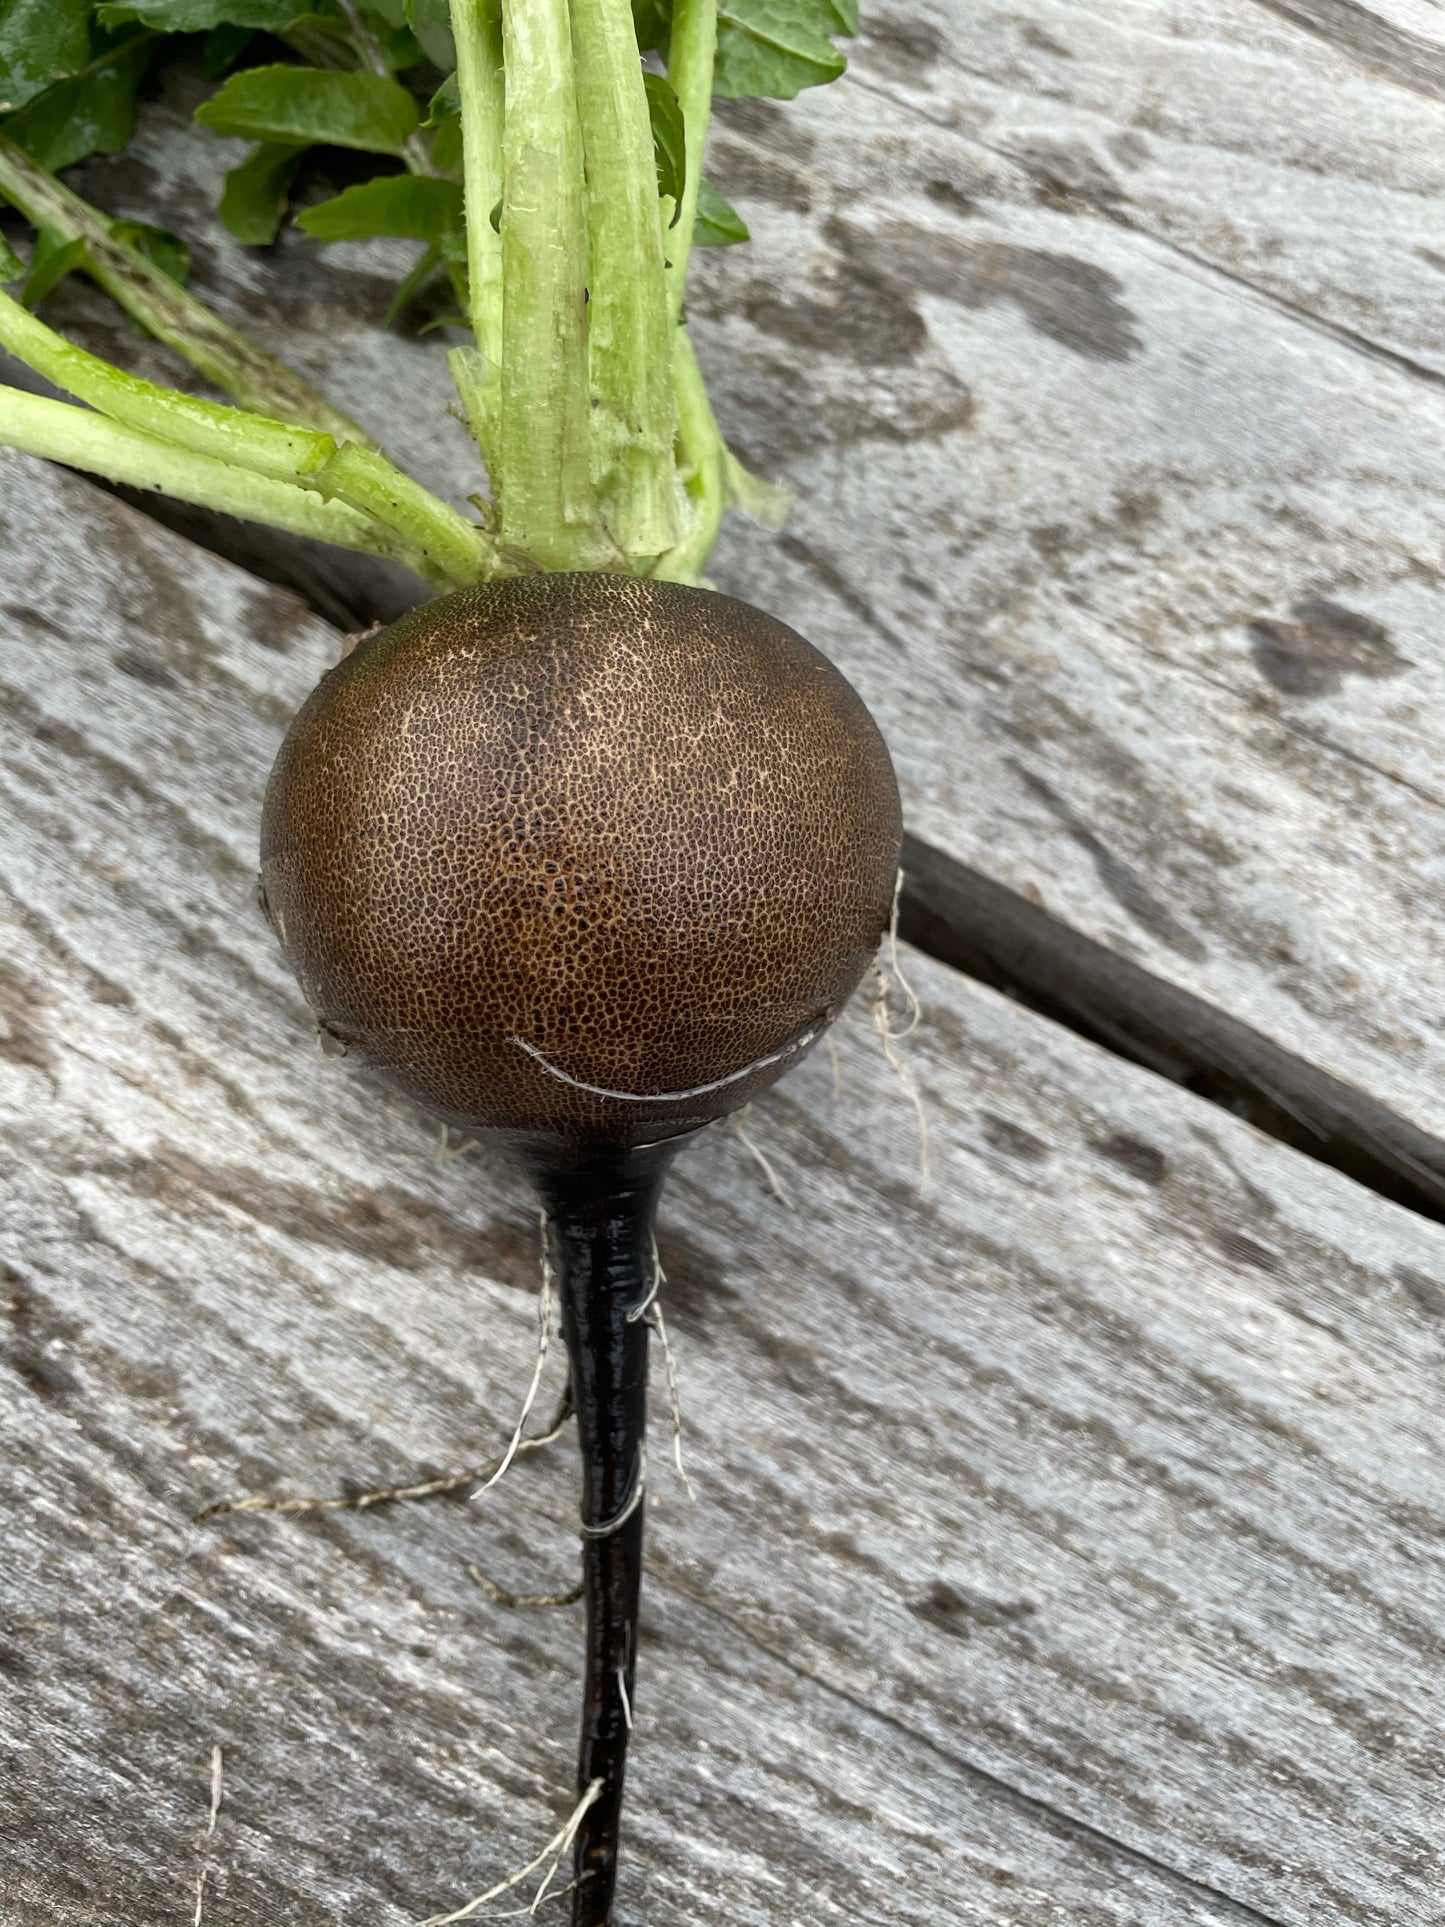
11 266
198 16
417 206
168 251
254 197
775 48
397 44
446 102
302 105
430 21
41 41
92 113
653 22
446 148
224 46
444 123
669 142
718 224
52 260
412 286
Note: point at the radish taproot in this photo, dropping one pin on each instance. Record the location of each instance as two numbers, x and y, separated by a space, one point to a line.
581 852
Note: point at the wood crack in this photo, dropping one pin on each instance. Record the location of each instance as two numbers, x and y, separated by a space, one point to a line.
1281 304
1001 938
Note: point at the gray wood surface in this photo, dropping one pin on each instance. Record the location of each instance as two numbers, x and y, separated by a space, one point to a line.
1067 1545
1104 350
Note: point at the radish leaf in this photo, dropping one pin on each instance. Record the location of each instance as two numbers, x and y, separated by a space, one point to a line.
775 48
224 47
718 224
412 286
418 207
652 20
196 16
52 260
444 124
669 141
93 112
430 21
299 105
167 251
41 41
254 197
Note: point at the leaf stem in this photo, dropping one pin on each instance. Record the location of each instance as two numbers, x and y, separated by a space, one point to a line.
701 459
692 54
207 428
543 477
443 546
634 416
223 354
448 550
81 439
477 30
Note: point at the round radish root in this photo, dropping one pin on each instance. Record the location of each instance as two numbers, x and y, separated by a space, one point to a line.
581 855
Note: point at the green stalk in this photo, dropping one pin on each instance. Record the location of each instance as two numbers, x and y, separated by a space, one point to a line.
692 53
444 546
701 459
206 427
477 30
223 354
543 477
38 426
448 550
634 417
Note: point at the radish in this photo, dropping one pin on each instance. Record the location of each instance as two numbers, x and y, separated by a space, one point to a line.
590 860
580 852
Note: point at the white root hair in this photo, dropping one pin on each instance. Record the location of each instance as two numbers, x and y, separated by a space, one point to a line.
634 1500
554 1852
765 1164
889 1035
386 1494
544 1336
669 1358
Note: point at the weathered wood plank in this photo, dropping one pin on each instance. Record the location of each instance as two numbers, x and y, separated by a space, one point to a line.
1103 1471
1103 350
1151 604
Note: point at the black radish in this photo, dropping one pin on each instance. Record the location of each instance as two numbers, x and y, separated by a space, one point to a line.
589 861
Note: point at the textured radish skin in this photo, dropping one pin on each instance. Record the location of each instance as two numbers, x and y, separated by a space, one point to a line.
568 831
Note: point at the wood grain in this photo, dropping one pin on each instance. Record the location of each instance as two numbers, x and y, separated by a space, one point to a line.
1067 1546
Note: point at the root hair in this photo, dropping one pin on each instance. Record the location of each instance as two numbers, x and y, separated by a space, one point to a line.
775 1183
554 1852
544 1338
669 1359
890 1035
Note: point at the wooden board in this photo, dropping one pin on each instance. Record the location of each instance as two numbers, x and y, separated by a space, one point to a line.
1103 349
1067 1545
